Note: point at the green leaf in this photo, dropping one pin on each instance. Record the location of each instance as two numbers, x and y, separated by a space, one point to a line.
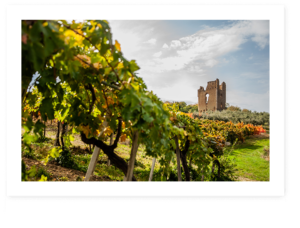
32 172
53 26
28 125
148 118
71 138
46 109
113 123
38 128
28 139
55 152
49 46
34 32
133 66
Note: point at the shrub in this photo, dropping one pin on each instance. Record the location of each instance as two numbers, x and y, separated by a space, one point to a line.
227 167
41 171
267 151
64 179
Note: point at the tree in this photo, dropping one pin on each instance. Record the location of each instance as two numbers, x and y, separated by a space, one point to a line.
245 110
234 108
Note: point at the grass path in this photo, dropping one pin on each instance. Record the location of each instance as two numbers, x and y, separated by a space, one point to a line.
250 161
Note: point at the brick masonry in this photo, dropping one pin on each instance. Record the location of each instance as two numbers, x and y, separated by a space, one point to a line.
216 96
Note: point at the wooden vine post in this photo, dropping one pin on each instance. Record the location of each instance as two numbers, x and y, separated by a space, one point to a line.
111 142
133 153
94 159
178 159
152 169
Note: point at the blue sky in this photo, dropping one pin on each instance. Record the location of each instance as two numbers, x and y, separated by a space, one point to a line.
177 57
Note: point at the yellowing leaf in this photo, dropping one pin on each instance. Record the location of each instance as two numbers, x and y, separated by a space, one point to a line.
118 45
123 138
100 117
107 70
46 159
110 101
86 130
120 66
97 65
108 131
45 24
84 60
43 178
135 86
92 29
96 133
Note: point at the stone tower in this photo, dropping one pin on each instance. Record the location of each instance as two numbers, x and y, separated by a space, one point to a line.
213 98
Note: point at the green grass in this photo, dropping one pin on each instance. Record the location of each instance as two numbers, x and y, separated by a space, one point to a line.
249 159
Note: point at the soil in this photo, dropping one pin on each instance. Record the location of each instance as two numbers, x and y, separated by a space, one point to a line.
244 179
58 171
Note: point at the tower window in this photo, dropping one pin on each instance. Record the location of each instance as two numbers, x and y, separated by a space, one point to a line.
206 98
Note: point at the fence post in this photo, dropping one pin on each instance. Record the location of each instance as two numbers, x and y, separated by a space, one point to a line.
133 153
94 159
92 164
152 169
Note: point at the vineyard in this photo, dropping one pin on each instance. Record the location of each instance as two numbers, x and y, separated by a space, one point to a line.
106 125
238 116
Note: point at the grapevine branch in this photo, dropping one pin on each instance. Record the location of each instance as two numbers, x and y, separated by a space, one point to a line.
117 161
118 133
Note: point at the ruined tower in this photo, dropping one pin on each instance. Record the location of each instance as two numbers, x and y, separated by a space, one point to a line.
213 98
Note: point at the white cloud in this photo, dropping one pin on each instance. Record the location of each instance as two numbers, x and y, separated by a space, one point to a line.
262 41
175 44
206 46
175 92
151 41
211 62
157 54
132 35
165 46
